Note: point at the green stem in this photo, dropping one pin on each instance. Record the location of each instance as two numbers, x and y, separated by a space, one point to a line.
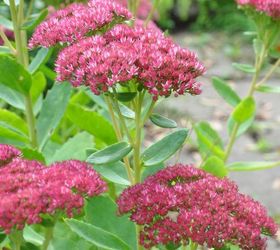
231 141
149 112
138 229
119 136
48 237
121 117
6 41
152 12
270 72
258 65
193 245
137 145
16 238
17 15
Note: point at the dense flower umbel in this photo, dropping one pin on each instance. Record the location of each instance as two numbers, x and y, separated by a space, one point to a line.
131 53
270 7
7 153
182 202
78 21
29 189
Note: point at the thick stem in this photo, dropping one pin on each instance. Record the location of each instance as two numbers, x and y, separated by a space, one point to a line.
22 58
48 237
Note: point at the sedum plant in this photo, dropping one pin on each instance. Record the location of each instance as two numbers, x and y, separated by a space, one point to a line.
120 66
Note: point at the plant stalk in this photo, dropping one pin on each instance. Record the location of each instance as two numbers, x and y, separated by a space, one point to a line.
17 15
48 237
16 238
119 136
258 65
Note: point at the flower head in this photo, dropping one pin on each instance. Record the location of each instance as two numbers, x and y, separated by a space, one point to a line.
181 203
29 189
7 153
131 53
269 7
77 21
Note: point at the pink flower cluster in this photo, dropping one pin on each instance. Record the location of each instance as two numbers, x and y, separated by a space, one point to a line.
131 53
29 189
270 7
182 202
7 153
78 21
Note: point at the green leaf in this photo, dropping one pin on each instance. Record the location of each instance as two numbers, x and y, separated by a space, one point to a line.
242 127
92 122
13 75
244 111
252 166
12 97
96 235
39 59
39 83
112 153
269 89
210 133
65 239
32 154
6 23
74 148
114 172
162 121
8 136
13 122
99 208
209 141
225 91
126 96
5 50
164 148
126 112
30 235
258 46
52 111
34 20
214 165
244 67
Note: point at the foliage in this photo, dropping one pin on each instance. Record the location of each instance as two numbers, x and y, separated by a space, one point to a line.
120 68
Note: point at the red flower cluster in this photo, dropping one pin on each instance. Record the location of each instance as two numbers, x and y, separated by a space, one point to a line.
125 53
7 153
29 189
143 55
78 21
181 203
270 7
